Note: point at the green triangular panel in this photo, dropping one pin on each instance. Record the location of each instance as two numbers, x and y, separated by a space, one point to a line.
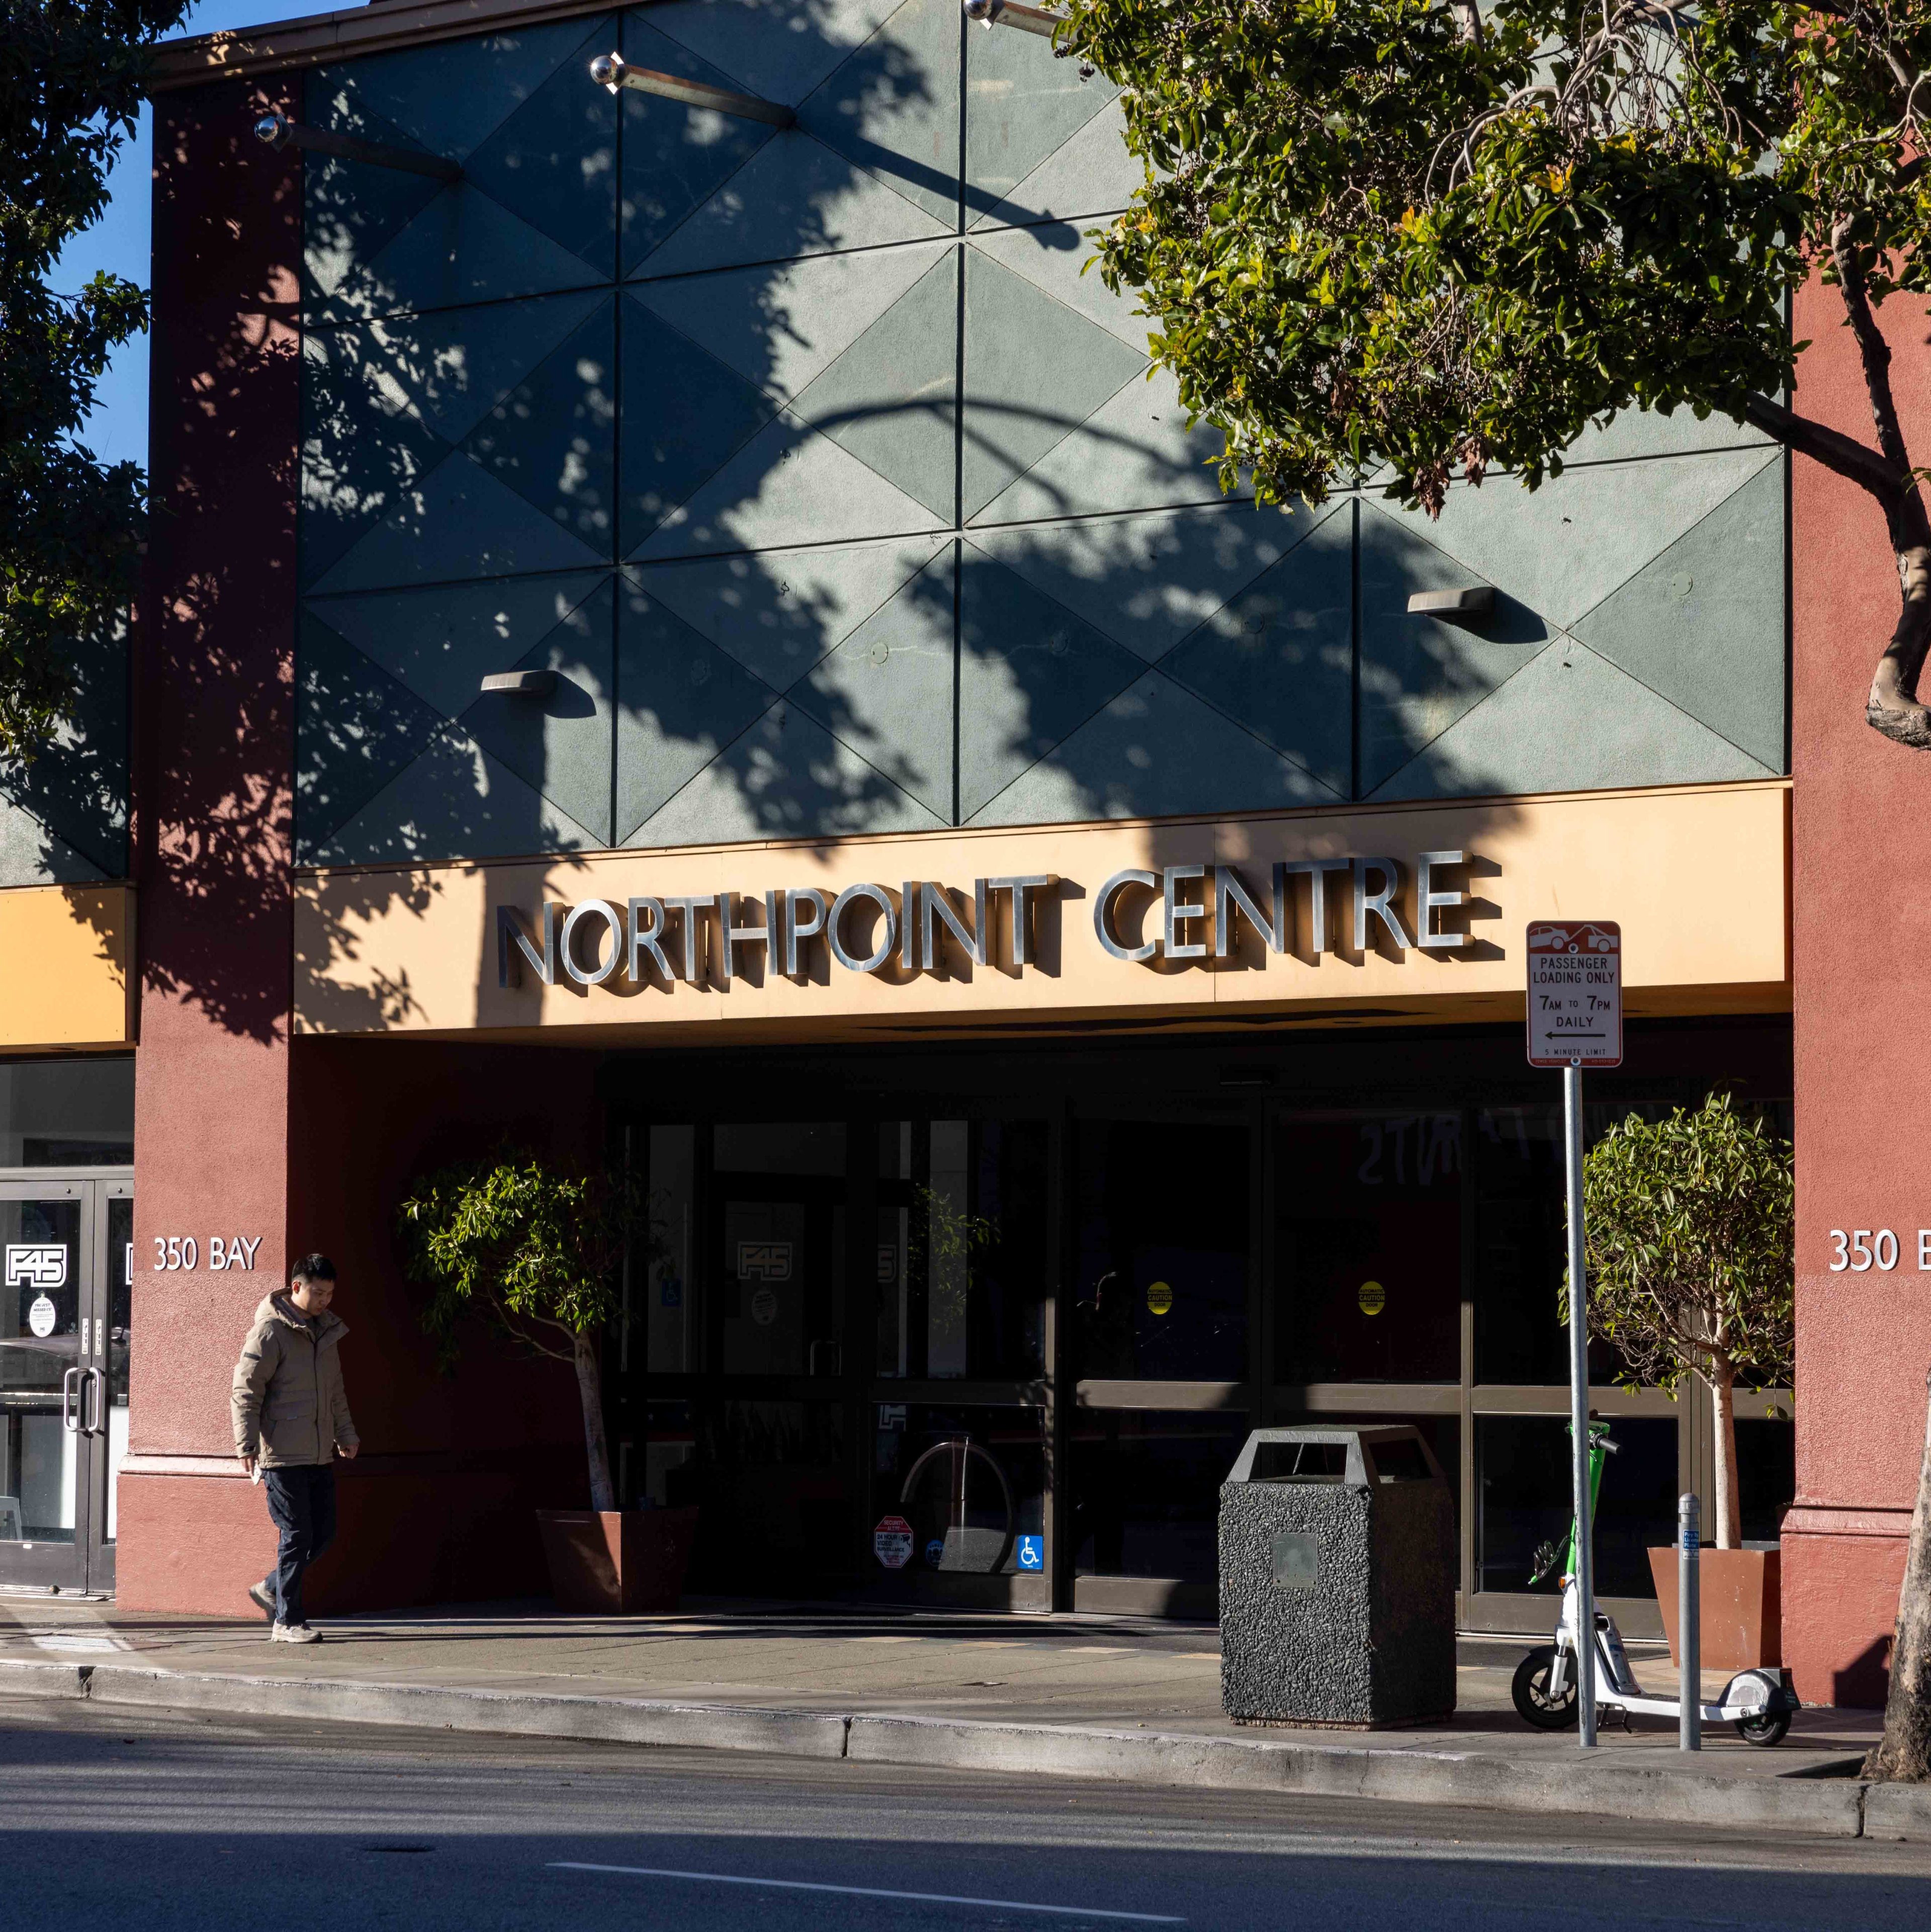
1703 623
1051 256
32 853
891 398
442 641
459 522
682 701
351 209
779 49
1021 109
1092 174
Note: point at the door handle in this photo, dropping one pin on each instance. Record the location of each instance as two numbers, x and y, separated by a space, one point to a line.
93 1401
70 1384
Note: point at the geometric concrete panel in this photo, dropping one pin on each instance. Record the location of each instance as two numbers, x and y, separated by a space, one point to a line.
454 801
1035 370
1091 174
560 742
1280 657
685 414
459 522
887 690
1703 623
787 777
675 157
682 701
554 161
890 398
1023 104
1563 548
1134 452
779 612
1646 432
32 854
355 730
552 438
893 106
1147 581
1419 673
1050 255
441 642
782 325
788 485
76 786
794 197
1569 720
1030 674
1155 752
779 49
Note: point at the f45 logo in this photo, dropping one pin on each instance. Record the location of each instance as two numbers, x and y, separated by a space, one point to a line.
764 1260
37 1265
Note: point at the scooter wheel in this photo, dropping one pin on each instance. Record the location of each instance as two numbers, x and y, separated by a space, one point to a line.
1533 1702
1769 1728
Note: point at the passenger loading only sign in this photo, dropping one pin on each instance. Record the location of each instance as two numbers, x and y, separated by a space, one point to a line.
1575 993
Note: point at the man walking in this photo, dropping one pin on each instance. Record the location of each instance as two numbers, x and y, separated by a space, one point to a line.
291 1419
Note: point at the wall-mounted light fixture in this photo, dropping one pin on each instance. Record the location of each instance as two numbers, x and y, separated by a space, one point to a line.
1477 600
990 14
278 131
521 683
613 71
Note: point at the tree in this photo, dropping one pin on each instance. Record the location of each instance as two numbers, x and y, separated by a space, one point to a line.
72 73
1689 1232
1446 237
537 1249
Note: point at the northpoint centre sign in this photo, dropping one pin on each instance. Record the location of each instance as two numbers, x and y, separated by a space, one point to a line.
1178 913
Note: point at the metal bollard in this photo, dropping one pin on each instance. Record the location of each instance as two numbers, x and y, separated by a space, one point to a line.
1688 1626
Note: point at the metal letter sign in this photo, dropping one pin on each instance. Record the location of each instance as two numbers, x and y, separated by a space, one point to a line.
41 1265
1576 994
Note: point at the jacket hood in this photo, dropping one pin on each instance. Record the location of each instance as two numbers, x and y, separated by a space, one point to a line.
277 1307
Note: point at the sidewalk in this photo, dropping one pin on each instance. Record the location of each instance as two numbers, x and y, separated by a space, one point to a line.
1085 1697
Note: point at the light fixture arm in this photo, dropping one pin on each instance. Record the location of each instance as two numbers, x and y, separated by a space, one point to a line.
613 71
277 131
990 14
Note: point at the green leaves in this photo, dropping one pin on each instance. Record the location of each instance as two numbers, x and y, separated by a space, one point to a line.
71 75
1690 1228
1362 239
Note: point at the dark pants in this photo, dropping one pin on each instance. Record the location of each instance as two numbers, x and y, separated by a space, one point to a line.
302 1501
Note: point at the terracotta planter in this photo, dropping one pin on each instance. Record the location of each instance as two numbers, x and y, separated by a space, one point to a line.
617 1562
1742 1606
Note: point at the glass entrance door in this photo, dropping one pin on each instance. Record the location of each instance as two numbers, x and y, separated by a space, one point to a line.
64 1308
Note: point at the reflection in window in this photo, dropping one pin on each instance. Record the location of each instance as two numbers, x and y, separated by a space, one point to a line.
1766 1470
669 1298
1161 1291
775 1288
961 1248
964 1521
1370 1246
771 1479
1146 1491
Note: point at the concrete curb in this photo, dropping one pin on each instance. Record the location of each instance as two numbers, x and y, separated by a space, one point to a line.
1826 1808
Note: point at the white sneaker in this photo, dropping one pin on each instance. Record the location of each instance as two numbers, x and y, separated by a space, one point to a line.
294 1633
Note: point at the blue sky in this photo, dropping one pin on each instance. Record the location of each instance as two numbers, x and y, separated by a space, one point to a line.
119 242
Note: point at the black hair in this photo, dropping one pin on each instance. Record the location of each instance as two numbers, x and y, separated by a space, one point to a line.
312 1267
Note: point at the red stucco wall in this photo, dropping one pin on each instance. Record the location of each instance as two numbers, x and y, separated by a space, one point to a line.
1861 920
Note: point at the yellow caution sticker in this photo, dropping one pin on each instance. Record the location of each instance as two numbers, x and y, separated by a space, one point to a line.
1373 1298
1159 1298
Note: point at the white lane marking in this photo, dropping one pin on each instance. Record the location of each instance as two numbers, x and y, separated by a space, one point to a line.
869 1892
73 1643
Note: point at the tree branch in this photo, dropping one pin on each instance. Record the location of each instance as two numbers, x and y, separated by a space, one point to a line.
1872 349
1843 455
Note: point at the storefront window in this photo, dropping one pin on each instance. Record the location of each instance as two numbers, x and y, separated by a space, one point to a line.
1161 1291
776 1302
971 1481
770 1479
1370 1245
669 1283
961 1249
67 1113
1766 1470
1146 1491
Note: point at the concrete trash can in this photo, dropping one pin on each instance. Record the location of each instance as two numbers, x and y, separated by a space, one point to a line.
1337 1580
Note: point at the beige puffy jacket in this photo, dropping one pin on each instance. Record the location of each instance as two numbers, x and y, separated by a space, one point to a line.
288 1403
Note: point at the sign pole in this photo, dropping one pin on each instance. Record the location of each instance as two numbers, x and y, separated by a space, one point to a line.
1575 1020
1578 1414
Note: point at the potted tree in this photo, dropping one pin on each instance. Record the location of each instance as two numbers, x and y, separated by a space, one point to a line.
537 1249
1690 1251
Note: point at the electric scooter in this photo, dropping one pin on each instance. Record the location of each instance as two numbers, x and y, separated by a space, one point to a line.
1757 1702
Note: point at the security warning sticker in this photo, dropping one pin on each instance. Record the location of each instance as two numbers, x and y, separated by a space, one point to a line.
1575 993
892 1542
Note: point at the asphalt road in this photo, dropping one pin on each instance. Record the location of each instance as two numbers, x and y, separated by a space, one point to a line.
156 1824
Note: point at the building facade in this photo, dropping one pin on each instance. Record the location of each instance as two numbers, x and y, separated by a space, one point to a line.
1050 934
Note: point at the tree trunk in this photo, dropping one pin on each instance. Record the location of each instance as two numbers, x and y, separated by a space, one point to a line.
1903 1754
1729 1507
590 1388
